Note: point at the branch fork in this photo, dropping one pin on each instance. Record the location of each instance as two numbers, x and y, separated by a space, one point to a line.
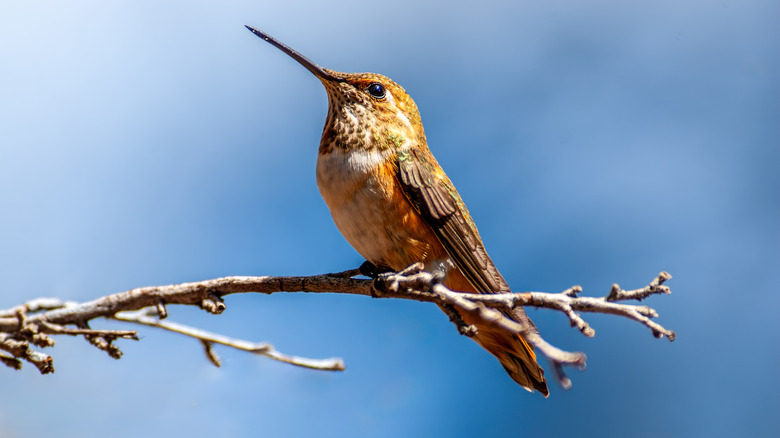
413 283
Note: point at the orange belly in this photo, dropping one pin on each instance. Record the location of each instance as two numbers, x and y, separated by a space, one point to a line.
370 209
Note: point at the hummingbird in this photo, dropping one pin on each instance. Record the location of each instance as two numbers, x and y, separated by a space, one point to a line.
394 204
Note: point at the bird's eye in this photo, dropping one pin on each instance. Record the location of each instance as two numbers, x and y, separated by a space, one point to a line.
376 90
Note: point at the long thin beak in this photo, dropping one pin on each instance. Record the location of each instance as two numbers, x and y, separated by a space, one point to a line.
312 67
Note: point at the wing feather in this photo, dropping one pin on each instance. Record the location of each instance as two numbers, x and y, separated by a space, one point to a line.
436 199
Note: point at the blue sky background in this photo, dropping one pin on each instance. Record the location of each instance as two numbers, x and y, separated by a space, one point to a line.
146 143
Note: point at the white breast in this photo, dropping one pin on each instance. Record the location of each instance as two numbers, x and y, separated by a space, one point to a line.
358 203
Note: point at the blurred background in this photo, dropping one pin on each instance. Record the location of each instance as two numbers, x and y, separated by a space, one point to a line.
148 143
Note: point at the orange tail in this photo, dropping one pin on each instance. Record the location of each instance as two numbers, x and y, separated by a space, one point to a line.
515 354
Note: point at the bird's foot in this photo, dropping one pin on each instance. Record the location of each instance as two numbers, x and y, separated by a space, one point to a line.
371 270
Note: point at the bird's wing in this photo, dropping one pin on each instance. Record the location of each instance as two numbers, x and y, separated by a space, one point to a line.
435 198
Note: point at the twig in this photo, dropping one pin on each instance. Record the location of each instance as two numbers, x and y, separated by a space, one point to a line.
34 306
655 287
144 317
21 350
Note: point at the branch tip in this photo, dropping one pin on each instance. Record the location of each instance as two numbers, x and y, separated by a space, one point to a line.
213 304
588 331
11 362
561 377
43 362
162 312
212 355
464 329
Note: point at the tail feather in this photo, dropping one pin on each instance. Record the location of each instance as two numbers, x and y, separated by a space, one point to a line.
521 366
512 350
517 356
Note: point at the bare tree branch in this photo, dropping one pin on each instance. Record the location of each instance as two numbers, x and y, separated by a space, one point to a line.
33 322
